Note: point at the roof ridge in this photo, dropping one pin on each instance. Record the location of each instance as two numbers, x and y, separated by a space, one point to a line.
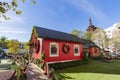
56 31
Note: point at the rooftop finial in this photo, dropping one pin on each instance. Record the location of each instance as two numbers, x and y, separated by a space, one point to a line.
90 21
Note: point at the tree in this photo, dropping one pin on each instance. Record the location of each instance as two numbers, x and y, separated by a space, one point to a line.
26 47
100 38
115 40
87 35
81 34
13 46
3 42
1 51
10 6
77 33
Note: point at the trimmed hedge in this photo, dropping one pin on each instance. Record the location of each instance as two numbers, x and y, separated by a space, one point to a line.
63 65
97 58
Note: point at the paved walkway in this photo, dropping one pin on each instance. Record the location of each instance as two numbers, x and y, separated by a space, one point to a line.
7 75
5 64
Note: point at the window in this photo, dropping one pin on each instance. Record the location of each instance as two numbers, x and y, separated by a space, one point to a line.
76 50
54 49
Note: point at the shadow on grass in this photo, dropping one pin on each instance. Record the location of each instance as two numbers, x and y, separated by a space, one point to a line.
96 66
62 76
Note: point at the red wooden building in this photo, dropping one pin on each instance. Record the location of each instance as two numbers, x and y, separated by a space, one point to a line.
57 46
92 48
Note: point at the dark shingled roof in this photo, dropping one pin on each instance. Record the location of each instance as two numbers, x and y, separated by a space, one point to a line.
57 35
88 43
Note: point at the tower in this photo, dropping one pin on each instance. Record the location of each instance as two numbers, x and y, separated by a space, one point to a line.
91 27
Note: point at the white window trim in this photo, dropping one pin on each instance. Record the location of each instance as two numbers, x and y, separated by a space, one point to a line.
51 55
78 50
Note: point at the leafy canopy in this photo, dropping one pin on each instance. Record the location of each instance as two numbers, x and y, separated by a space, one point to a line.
6 6
14 46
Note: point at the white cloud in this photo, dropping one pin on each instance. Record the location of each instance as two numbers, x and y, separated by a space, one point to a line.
13 31
88 7
13 25
14 28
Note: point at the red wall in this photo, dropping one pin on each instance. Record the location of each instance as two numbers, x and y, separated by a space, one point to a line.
94 53
62 56
37 55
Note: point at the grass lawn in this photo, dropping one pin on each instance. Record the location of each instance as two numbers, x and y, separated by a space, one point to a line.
96 70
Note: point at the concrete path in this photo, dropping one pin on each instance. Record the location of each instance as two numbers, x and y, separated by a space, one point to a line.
5 64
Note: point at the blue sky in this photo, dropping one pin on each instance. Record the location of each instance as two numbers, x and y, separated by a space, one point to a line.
60 15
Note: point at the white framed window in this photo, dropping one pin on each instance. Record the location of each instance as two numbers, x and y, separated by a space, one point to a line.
54 50
76 50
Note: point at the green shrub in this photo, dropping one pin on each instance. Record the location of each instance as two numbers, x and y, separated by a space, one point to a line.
86 57
62 65
98 58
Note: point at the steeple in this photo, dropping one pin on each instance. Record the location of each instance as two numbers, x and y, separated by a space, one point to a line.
91 27
90 21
